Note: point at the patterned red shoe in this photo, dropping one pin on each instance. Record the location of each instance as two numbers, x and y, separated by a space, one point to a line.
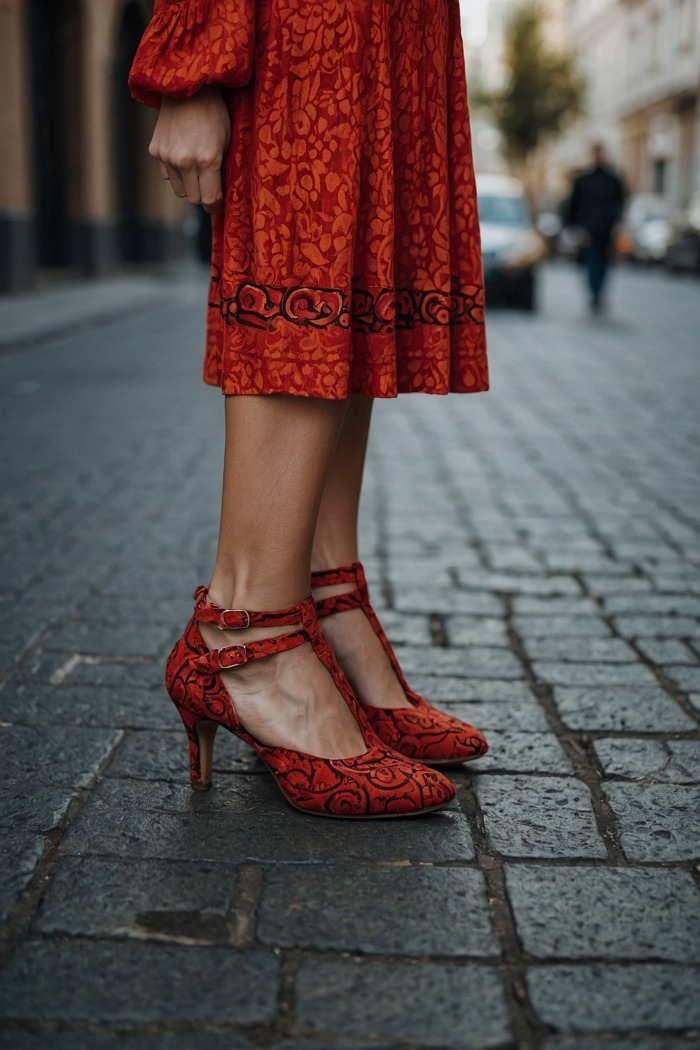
420 731
377 783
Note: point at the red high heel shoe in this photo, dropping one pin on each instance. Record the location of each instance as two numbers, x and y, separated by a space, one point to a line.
378 783
420 731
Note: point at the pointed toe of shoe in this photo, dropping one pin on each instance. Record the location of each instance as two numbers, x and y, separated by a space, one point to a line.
379 783
425 734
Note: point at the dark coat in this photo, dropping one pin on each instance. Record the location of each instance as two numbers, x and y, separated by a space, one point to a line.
596 204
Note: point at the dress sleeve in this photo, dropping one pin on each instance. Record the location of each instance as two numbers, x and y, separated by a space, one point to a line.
189 44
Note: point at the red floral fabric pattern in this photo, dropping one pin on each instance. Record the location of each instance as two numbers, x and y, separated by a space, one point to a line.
420 731
378 783
347 258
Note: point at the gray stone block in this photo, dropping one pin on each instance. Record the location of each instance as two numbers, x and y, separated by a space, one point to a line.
470 662
651 1042
132 984
130 638
71 1041
476 630
577 605
688 678
538 816
585 650
143 608
447 601
553 626
657 822
655 761
25 850
519 717
442 689
32 812
643 710
406 629
603 584
44 666
455 1007
95 896
419 911
605 913
656 626
616 998
49 756
687 582
512 559
652 605
308 1044
667 651
583 562
604 675
165 755
244 819
98 707
517 752
518 583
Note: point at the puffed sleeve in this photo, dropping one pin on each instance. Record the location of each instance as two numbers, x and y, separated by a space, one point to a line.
191 43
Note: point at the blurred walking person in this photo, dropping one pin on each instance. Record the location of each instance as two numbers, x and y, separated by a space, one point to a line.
595 206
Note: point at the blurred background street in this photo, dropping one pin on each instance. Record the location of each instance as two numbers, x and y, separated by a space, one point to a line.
546 589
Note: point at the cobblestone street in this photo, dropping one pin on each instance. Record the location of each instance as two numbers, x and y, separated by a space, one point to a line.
535 552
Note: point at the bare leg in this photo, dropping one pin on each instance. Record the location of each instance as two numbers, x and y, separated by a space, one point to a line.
278 451
351 635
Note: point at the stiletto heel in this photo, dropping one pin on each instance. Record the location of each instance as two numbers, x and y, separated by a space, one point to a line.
420 731
200 736
377 783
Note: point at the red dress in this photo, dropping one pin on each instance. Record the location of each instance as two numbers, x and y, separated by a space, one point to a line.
347 258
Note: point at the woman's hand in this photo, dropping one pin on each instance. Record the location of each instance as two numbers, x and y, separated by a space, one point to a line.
190 140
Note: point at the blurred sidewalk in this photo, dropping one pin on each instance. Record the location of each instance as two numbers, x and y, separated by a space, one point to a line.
536 554
62 308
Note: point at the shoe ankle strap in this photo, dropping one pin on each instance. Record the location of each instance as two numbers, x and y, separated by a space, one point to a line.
357 598
230 656
240 619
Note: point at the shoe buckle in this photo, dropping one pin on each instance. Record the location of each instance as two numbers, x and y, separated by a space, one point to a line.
229 650
236 612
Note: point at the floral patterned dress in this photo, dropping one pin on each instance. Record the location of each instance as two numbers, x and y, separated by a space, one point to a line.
347 258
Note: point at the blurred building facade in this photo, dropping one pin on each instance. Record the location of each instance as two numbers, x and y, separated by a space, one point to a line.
79 194
641 59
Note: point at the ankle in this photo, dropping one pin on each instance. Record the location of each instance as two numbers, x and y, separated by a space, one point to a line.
323 559
267 594
331 590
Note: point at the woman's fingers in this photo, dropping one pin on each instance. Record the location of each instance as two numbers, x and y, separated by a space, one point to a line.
190 181
199 187
175 179
211 196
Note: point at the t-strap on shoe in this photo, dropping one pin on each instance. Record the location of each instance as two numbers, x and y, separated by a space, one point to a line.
419 731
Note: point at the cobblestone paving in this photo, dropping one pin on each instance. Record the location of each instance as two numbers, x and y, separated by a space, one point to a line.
536 552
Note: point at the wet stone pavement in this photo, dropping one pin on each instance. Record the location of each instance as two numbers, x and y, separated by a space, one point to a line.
535 553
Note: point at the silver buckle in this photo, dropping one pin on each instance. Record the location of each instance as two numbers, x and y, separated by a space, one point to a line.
229 648
241 612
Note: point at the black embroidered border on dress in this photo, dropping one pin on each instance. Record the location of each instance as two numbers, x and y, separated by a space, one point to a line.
379 312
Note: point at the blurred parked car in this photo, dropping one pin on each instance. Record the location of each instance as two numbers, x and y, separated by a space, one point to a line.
549 224
512 248
647 224
683 252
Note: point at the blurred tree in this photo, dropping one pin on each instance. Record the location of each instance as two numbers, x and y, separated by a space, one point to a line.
543 92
